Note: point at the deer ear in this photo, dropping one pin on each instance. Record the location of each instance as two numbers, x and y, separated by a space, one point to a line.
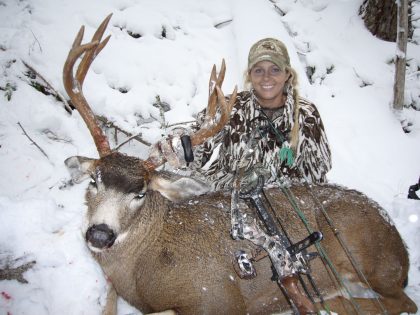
79 167
177 188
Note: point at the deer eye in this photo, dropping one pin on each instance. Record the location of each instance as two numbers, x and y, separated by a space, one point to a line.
93 187
137 201
92 182
140 196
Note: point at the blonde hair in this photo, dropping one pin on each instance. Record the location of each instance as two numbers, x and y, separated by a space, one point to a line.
293 81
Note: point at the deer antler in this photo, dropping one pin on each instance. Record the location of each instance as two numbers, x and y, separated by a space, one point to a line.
210 127
74 86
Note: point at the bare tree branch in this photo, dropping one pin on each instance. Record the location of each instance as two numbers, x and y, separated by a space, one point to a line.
37 41
57 94
110 124
182 123
33 142
223 23
124 142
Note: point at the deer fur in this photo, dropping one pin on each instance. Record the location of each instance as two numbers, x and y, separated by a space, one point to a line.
173 251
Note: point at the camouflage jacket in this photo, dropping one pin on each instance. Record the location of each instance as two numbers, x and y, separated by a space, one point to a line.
249 142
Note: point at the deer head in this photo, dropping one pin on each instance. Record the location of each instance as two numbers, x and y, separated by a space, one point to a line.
123 185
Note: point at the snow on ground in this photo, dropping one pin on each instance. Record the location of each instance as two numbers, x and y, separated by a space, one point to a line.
41 214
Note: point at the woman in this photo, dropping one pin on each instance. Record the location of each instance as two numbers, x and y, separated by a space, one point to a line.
272 131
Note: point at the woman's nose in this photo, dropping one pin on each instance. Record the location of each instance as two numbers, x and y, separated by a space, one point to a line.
266 75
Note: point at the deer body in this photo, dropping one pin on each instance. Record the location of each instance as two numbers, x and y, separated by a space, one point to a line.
179 255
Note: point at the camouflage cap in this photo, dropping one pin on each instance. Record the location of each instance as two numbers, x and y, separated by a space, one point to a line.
269 49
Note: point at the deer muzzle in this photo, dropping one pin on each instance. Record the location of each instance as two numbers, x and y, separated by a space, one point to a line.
100 236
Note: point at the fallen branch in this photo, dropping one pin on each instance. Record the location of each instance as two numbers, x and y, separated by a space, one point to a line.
53 91
182 123
223 23
279 10
33 142
51 135
143 141
126 141
110 124
37 41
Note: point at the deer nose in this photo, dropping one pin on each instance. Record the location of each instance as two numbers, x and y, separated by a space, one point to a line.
100 236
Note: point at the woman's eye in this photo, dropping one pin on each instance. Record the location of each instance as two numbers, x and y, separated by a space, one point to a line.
275 70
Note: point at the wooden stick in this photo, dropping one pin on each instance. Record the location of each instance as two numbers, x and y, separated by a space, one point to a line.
67 107
33 142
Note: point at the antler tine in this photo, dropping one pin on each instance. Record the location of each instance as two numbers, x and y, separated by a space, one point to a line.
201 135
212 102
91 54
78 40
222 72
209 126
74 86
226 108
213 82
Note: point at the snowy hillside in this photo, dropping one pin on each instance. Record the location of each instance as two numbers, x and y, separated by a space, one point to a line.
161 52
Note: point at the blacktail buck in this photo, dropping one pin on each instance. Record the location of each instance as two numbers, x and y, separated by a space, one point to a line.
163 241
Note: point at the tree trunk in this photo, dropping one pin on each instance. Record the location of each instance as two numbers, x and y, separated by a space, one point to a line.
380 18
400 58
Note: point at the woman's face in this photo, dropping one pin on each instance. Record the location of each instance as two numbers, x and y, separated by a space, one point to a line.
268 81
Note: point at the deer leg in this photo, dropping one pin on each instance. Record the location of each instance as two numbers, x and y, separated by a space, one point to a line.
399 303
111 302
389 287
341 305
391 292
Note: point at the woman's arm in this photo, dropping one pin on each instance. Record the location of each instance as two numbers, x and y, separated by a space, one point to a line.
313 156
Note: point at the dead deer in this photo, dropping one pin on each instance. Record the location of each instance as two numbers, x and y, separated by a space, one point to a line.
164 242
